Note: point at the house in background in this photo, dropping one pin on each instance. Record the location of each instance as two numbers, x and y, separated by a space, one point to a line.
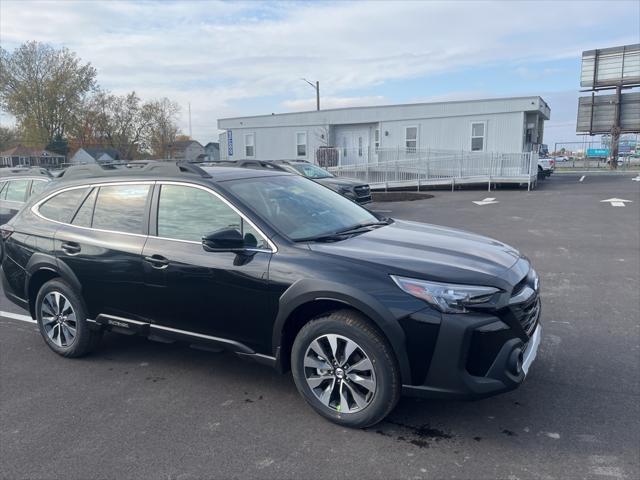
212 152
185 151
95 155
33 157
377 134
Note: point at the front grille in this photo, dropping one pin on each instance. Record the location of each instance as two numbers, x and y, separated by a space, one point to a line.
525 302
527 313
362 191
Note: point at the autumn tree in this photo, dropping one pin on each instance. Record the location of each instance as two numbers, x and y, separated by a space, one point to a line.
42 87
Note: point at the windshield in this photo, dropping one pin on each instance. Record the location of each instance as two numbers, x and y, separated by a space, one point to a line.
297 207
311 171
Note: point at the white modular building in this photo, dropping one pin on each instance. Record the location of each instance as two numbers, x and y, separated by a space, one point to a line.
351 136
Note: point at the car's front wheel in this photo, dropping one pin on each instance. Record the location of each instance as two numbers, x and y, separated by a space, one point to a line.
345 369
62 320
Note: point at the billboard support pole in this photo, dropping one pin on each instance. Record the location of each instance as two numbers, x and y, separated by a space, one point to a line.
615 131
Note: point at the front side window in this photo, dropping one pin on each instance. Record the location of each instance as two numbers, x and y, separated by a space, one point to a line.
478 136
189 213
301 144
411 138
298 207
250 145
61 207
17 190
120 208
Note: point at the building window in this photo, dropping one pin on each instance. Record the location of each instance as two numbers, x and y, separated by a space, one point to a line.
344 146
359 146
478 131
376 138
250 145
301 144
411 138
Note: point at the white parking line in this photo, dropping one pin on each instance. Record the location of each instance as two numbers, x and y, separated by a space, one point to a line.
582 178
17 316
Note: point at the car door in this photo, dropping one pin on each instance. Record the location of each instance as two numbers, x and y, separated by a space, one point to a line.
221 294
12 198
102 245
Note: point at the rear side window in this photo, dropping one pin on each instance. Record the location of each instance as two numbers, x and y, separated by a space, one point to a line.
120 208
17 190
38 186
61 207
85 212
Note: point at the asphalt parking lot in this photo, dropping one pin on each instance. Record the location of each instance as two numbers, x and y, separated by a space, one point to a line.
138 409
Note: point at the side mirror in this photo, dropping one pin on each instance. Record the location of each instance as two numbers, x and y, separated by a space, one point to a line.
223 240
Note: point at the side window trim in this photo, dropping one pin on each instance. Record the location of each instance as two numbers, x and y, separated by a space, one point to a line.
153 230
35 208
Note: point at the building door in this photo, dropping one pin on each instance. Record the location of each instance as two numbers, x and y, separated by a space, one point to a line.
353 144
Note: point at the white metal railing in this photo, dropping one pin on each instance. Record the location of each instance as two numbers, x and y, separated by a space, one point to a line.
415 167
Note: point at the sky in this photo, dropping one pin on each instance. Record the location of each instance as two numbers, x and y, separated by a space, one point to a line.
235 58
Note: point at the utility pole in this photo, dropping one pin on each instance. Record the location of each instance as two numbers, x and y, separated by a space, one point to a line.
316 87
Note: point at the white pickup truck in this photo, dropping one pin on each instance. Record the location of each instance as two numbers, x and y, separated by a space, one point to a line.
546 167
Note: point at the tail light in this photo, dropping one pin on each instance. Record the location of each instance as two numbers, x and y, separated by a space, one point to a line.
6 231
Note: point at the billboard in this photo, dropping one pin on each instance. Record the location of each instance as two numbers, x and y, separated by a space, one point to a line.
597 152
596 114
609 67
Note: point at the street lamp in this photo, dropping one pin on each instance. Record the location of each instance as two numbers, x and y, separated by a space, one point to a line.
316 87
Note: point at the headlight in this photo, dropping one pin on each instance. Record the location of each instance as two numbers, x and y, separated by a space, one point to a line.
446 297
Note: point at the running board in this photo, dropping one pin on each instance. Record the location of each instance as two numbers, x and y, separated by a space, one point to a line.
136 327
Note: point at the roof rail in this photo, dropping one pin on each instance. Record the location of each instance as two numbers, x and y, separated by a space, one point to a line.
137 168
21 171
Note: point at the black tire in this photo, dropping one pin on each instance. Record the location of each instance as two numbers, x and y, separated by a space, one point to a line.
85 339
353 326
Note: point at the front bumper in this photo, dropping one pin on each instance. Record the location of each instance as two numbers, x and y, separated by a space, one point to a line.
456 369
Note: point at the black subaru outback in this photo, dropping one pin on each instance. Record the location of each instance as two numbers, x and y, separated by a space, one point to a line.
278 269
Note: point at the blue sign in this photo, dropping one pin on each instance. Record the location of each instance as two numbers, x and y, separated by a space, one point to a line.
597 152
230 142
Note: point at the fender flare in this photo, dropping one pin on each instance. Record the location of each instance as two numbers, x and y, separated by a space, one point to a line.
309 290
43 261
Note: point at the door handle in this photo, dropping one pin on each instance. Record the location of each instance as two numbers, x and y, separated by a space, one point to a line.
71 248
157 261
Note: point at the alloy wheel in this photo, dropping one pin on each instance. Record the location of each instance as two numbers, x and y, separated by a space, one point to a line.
59 319
339 373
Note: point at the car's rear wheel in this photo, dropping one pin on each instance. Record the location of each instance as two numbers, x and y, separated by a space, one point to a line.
345 369
62 320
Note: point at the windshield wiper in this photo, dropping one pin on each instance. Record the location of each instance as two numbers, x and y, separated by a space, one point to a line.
362 226
341 234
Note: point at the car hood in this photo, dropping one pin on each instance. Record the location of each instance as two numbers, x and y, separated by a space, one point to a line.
336 182
433 252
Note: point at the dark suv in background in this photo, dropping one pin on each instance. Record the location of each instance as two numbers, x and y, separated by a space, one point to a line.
17 185
278 269
353 189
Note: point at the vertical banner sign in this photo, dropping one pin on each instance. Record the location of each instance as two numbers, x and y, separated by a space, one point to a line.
230 142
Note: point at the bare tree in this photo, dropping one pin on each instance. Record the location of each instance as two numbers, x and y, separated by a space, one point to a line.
163 129
42 87
8 138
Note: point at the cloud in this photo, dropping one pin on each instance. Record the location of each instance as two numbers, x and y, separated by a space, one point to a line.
218 55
